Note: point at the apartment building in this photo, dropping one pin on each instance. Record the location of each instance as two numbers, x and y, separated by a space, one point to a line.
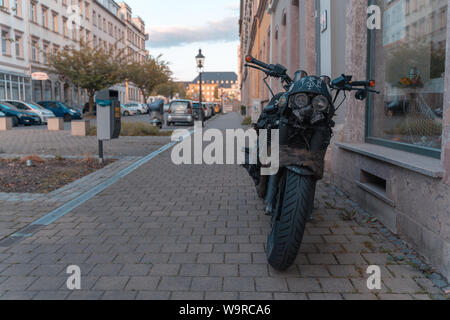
135 38
32 29
390 153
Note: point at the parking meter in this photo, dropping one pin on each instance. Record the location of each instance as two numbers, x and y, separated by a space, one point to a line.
108 115
109 119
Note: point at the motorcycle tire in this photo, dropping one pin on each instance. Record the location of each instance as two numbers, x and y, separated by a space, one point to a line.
293 208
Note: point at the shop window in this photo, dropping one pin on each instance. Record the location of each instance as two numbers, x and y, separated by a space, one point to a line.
407 60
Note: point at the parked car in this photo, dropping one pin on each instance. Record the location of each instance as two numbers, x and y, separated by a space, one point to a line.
166 107
19 116
127 111
42 113
217 109
61 110
180 111
199 113
213 110
140 107
208 110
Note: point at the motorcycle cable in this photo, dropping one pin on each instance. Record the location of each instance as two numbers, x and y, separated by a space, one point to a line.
267 85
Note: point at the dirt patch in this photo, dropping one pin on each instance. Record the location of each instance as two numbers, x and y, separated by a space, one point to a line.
44 176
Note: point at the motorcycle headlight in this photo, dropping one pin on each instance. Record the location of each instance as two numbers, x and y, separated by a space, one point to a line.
301 100
321 104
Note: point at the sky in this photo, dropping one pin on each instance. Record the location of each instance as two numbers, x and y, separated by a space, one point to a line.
178 28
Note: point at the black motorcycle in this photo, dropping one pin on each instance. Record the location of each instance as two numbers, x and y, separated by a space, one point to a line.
304 117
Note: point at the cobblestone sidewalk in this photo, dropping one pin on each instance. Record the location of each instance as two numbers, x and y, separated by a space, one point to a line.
199 232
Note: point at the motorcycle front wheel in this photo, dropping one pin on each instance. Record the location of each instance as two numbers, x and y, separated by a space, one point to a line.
294 206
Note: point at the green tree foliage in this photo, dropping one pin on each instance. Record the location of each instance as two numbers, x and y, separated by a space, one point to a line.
92 68
170 89
148 75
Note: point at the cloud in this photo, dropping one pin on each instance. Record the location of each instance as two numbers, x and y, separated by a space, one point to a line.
222 30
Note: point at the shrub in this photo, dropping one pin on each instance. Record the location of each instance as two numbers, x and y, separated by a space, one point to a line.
247 121
136 129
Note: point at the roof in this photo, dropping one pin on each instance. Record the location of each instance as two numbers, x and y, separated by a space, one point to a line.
218 77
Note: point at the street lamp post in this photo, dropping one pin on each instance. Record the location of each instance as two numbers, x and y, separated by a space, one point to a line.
200 58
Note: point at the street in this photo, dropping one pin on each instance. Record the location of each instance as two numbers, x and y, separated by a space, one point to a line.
197 232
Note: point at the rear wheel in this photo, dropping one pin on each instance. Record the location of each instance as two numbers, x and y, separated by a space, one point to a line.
15 122
294 207
126 114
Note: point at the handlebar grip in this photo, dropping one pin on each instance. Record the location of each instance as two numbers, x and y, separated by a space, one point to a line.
261 64
367 83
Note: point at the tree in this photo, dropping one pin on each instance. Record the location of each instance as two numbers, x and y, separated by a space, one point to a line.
92 68
148 75
171 88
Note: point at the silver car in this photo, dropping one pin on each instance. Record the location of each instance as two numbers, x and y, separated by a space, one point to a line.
42 113
180 111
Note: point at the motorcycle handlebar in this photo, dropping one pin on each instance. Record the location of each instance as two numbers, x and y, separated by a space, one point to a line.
254 61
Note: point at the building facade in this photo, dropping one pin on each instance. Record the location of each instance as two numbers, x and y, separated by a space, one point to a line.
391 153
216 87
30 30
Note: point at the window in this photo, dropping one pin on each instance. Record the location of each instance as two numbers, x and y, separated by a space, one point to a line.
34 50
19 46
6 50
55 22
407 61
65 28
33 12
44 17
17 8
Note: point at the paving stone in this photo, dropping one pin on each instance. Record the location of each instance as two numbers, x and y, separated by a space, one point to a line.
16 283
153 295
321 258
194 270
359 296
51 295
239 284
255 296
148 283
350 258
304 285
111 283
224 270
18 295
206 284
253 270
165 269
332 285
395 297
324 296
290 296
188 296
344 271
85 295
135 270
175 284
313 271
271 285
119 295
402 285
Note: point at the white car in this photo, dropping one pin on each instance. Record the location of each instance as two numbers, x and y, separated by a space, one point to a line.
42 113
127 111
140 107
